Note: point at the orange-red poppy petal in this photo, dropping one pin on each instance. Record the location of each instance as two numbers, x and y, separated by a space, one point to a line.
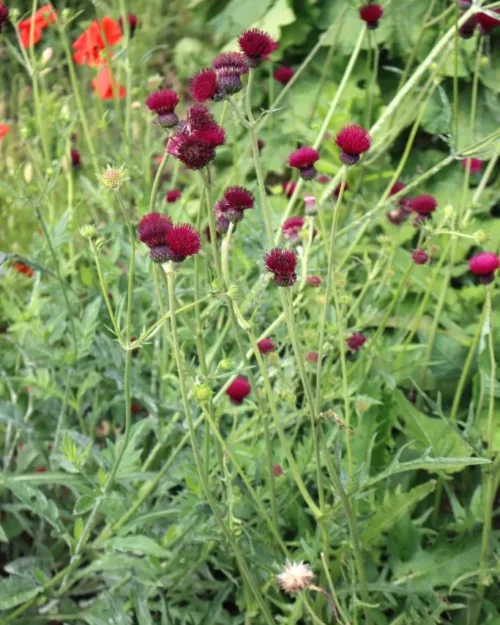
29 35
103 87
4 129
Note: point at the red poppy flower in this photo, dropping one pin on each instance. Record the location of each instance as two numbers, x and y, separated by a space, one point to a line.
4 129
97 37
30 30
104 88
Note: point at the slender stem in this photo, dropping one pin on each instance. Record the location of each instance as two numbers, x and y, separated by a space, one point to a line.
211 218
198 461
104 290
157 181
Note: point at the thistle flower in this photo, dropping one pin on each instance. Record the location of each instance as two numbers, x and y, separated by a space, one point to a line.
420 257
312 357
198 118
256 45
234 202
295 576
352 141
336 191
283 74
192 152
182 241
356 341
203 86
323 179
466 31
310 204
397 187
75 158
4 15
265 346
282 264
238 390
153 229
314 281
163 102
229 67
487 22
371 14
484 266
172 196
132 23
474 165
403 202
288 187
303 159
277 470
235 60
424 205
260 144
291 227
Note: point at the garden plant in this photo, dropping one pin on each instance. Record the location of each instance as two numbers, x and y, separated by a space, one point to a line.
248 312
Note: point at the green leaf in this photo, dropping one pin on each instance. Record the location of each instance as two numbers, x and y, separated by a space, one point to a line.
14 591
3 536
393 508
142 545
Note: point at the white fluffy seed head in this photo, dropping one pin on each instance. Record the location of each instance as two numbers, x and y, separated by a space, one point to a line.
295 576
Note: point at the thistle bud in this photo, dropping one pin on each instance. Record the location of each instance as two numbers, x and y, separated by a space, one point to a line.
202 393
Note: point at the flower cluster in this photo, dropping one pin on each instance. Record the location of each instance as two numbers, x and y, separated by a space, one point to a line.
230 209
196 138
168 241
30 30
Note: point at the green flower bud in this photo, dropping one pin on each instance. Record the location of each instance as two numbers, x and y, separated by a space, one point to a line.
88 231
202 393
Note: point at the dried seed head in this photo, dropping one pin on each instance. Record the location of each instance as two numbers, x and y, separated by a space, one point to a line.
295 576
113 178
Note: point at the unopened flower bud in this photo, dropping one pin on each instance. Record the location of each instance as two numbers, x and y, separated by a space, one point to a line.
47 54
480 236
310 204
202 393
235 293
88 231
226 364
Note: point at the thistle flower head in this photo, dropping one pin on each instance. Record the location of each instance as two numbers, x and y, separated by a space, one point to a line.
371 14
256 45
265 346
182 241
291 227
234 202
314 281
474 165
323 179
356 341
352 141
229 67
295 576
487 22
312 357
203 85
163 102
397 187
76 160
420 257
303 159
192 152
466 31
484 266
424 205
282 264
283 74
153 229
238 390
198 118
4 15
172 196
132 23
277 470
234 60
213 136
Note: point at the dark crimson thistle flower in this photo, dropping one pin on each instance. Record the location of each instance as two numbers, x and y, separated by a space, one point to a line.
403 203
192 152
487 22
203 86
303 159
356 341
132 23
265 346
467 29
397 187
371 14
153 229
229 68
256 45
260 144
182 241
420 257
282 264
283 74
323 179
424 205
314 281
484 266
75 159
235 200
172 196
352 141
277 470
291 227
4 15
288 187
474 165
312 357
163 102
238 390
